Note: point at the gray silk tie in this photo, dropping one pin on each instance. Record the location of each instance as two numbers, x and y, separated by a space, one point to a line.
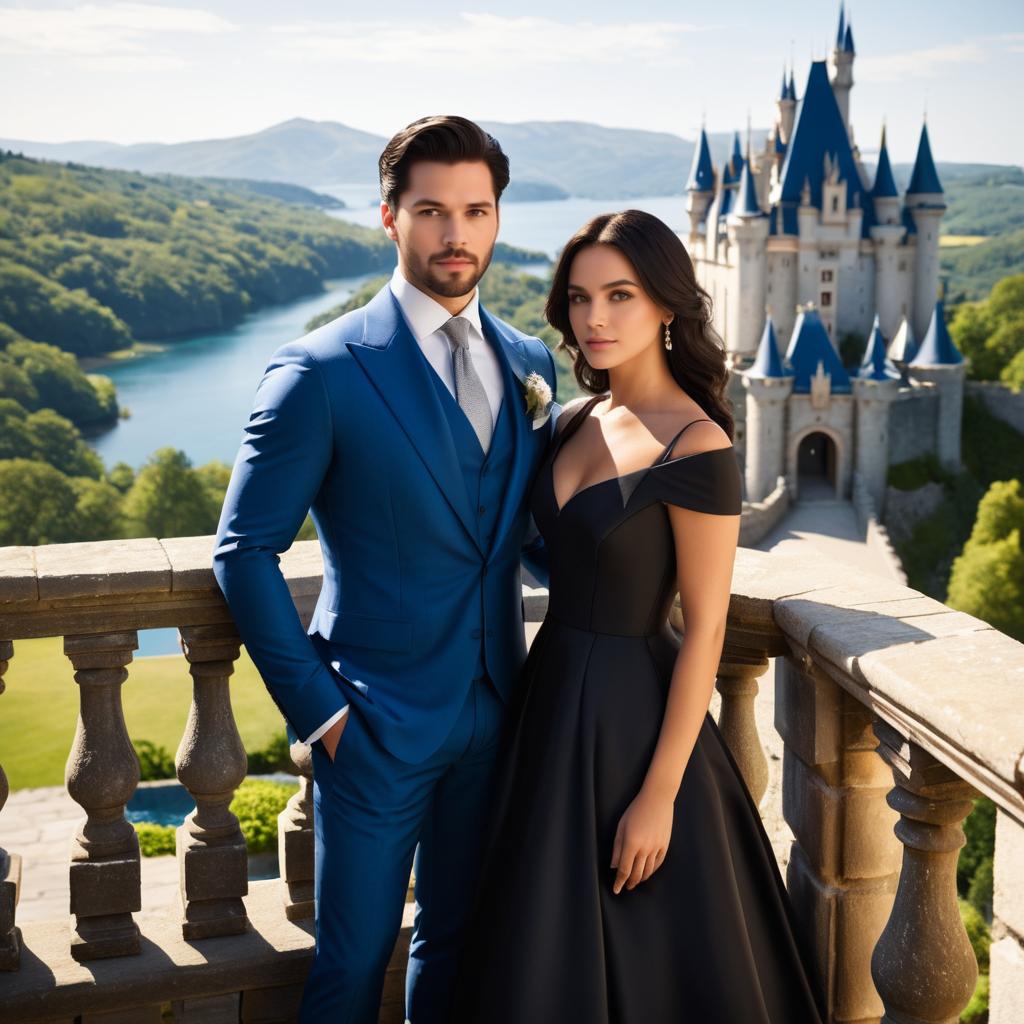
469 389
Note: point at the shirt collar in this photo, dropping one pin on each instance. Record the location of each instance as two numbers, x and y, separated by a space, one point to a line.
426 315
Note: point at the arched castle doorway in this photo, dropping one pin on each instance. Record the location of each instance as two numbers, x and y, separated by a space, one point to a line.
816 467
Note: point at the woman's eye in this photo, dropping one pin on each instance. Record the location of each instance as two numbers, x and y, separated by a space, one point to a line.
627 295
574 297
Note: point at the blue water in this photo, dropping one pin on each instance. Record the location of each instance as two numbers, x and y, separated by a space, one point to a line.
545 226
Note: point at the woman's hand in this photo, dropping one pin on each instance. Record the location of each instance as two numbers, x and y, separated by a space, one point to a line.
642 838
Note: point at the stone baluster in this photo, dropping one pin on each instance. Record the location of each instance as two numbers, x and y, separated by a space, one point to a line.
101 775
295 840
211 764
738 672
10 863
844 860
923 965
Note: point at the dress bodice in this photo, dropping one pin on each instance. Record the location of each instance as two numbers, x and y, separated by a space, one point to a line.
611 547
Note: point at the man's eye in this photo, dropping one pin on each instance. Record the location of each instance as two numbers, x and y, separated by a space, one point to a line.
424 212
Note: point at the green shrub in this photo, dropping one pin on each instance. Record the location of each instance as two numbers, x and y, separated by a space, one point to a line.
154 840
155 762
976 1011
257 804
274 757
979 895
980 830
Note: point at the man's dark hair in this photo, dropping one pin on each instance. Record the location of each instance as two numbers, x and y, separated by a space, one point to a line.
447 139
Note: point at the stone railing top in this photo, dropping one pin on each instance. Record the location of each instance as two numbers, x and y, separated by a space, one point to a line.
944 679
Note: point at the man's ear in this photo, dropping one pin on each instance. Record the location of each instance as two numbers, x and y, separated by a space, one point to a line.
387 218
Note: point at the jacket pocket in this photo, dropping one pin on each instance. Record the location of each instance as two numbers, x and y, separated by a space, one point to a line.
366 631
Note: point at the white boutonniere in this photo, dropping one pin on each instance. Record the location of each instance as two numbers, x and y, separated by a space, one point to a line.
538 399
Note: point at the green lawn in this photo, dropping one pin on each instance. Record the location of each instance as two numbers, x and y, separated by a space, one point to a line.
39 708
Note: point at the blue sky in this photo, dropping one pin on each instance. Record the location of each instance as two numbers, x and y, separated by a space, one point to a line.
137 72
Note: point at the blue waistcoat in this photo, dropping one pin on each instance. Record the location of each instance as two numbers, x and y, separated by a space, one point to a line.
485 477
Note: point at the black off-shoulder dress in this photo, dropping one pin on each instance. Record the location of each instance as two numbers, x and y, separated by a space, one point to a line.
710 938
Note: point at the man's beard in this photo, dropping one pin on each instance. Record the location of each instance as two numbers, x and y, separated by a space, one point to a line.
424 274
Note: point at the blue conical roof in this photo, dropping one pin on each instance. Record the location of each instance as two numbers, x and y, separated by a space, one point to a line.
746 204
792 85
810 345
784 91
767 362
702 173
885 184
876 365
737 151
924 177
848 39
938 348
819 129
841 31
903 347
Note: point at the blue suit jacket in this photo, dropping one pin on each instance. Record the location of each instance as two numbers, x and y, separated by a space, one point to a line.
347 425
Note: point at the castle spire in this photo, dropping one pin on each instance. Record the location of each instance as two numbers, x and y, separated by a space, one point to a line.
885 184
938 348
924 179
841 31
876 365
702 173
767 362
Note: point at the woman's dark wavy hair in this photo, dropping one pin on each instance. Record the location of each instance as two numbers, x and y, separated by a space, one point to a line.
665 272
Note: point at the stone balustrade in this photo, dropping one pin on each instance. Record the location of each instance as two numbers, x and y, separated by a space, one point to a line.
894 711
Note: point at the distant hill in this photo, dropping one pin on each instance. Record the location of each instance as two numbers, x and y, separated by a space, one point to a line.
549 159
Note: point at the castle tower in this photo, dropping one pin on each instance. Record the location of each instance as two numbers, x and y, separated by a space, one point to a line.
938 360
700 187
842 63
887 233
768 386
875 387
926 205
786 105
747 227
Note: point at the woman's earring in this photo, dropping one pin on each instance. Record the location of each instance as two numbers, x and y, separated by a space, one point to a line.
668 338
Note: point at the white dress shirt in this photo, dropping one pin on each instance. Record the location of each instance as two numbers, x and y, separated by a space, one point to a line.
425 317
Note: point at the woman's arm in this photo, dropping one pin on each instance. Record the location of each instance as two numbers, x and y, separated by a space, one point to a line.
705 547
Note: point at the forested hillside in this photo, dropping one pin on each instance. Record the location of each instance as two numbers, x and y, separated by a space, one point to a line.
90 259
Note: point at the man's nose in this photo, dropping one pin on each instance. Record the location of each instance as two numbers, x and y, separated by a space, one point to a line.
455 232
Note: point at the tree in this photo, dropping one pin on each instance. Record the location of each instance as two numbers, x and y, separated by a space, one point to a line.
168 499
988 576
38 504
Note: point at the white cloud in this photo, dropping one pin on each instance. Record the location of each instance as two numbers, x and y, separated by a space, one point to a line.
488 40
103 32
894 67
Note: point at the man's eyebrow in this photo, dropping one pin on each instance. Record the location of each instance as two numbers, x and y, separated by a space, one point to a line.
605 287
437 202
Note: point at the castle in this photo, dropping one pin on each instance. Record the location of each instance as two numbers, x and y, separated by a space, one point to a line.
797 243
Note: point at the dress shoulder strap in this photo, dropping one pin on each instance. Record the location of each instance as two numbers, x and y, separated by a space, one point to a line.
668 448
576 418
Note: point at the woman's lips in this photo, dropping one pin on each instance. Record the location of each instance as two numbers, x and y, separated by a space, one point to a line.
599 342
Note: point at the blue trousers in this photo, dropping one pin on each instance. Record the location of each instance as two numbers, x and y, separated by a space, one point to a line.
372 815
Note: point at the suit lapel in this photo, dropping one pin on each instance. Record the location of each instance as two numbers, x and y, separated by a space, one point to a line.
389 355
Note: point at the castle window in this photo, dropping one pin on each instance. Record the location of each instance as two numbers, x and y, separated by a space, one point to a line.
826 298
902 266
826 275
835 204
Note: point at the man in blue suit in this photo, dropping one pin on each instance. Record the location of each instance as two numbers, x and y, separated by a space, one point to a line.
411 430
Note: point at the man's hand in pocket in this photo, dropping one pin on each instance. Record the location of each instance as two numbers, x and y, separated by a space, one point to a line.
331 737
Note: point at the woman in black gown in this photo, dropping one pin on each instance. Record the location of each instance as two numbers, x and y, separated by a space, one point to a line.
628 878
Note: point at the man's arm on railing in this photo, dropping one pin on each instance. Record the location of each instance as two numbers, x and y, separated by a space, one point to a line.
285 452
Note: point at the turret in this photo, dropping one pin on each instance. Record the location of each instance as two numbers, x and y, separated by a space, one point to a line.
768 384
887 233
874 388
938 360
786 105
747 227
700 187
926 205
842 63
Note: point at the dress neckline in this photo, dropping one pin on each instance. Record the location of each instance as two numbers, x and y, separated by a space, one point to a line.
573 425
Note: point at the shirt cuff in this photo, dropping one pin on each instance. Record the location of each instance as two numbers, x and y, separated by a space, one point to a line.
323 728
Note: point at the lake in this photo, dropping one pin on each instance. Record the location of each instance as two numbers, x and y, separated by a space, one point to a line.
196 395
